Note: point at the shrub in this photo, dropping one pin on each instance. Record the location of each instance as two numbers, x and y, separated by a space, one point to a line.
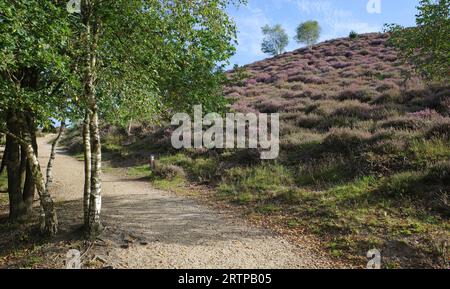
355 109
271 105
404 123
168 172
345 141
341 65
263 77
353 35
387 85
439 130
355 92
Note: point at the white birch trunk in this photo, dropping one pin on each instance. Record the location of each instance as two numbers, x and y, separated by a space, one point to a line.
87 167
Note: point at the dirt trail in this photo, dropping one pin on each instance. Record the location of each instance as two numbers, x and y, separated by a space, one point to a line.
171 231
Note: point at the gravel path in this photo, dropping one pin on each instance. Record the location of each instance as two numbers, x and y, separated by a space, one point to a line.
161 230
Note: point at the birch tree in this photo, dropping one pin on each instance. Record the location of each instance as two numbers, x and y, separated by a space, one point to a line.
142 59
33 36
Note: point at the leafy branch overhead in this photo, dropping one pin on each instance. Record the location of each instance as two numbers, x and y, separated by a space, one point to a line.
427 45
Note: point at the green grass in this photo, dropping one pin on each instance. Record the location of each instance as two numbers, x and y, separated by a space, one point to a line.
255 183
3 183
139 171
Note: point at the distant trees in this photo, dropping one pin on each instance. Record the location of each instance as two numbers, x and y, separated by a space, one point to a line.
308 33
427 45
275 39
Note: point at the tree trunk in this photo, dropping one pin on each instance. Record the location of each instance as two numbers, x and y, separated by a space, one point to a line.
50 226
4 158
95 201
14 189
14 169
87 167
29 187
90 41
51 160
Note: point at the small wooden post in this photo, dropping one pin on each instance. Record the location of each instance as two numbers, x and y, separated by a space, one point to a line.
152 162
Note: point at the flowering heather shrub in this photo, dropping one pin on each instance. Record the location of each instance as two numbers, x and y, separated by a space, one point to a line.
233 95
341 65
329 52
387 85
251 82
390 57
377 42
271 105
312 79
263 77
425 114
349 54
310 121
243 107
404 123
234 89
356 92
297 87
355 109
364 52
441 129
349 74
389 96
280 78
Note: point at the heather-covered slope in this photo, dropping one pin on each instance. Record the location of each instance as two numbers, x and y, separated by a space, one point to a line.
364 160
376 146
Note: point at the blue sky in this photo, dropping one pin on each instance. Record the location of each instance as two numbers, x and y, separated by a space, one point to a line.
336 17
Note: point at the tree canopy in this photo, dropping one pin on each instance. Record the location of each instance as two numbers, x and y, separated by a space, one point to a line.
426 46
308 33
275 39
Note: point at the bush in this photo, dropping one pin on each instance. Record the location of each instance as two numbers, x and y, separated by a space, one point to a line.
355 92
353 35
169 172
439 130
355 109
403 123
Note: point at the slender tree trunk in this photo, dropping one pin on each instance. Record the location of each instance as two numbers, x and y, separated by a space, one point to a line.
50 226
90 41
87 167
29 187
28 190
95 202
4 158
51 160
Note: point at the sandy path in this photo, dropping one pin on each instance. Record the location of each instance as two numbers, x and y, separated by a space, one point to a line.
174 232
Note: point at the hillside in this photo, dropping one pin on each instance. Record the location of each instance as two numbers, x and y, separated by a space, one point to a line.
364 160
